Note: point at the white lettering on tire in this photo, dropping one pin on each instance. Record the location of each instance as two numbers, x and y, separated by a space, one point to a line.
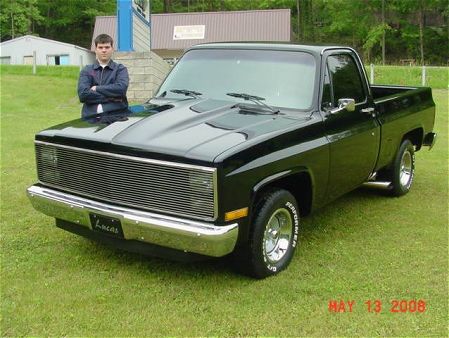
296 222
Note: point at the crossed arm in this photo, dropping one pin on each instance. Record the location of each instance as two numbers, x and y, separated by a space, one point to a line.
95 94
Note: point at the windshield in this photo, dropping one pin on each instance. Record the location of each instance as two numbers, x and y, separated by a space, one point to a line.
285 79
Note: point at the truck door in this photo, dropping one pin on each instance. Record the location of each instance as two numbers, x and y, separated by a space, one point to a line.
353 136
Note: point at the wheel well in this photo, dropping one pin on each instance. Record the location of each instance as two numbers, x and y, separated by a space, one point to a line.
299 185
415 136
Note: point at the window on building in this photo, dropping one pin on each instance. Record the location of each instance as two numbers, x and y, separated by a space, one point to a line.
57 60
28 60
139 5
171 61
5 60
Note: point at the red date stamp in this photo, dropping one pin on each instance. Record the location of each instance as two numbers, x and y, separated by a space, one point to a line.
409 306
376 306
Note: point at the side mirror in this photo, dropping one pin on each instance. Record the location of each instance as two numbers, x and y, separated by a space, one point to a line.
348 104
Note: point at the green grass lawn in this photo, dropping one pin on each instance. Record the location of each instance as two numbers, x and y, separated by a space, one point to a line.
364 246
67 72
436 77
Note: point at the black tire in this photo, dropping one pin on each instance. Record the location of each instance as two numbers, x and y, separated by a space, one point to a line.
403 169
273 236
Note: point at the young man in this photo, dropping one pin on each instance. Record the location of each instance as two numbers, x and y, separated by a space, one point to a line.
102 86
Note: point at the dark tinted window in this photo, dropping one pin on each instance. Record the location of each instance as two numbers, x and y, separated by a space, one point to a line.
326 101
345 78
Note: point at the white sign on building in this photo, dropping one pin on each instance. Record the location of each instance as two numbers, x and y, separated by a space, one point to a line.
189 32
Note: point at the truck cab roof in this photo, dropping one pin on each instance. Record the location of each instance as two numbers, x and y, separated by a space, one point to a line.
314 49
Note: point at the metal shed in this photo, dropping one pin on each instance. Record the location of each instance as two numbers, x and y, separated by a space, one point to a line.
20 50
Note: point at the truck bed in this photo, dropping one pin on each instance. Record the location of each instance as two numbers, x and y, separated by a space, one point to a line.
393 98
402 110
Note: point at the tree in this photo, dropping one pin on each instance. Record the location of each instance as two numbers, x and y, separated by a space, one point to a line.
421 26
380 29
424 41
73 21
383 33
17 18
166 6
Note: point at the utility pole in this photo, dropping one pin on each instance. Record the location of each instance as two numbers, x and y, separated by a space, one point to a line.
421 28
298 20
12 26
383 32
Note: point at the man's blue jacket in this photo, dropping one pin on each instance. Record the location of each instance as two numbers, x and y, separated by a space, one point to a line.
112 83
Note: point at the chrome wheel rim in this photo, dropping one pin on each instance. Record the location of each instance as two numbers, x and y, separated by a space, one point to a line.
406 169
277 236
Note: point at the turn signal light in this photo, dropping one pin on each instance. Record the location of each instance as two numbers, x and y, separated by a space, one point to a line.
239 213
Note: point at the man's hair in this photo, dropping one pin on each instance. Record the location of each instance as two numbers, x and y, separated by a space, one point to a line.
103 38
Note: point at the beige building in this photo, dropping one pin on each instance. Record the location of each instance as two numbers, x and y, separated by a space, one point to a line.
172 33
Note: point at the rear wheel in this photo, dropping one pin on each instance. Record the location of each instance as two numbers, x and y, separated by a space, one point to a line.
403 170
274 235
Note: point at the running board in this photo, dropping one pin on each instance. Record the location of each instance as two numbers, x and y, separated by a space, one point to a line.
378 185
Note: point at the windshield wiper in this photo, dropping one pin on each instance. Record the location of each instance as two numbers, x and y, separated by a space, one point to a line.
256 99
186 92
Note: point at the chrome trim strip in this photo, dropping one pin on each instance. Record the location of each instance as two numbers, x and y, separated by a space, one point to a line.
378 185
172 232
326 48
215 187
132 158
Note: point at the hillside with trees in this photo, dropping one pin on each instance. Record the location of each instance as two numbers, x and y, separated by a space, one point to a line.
384 31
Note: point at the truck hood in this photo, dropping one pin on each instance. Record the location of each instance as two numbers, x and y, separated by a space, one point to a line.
192 128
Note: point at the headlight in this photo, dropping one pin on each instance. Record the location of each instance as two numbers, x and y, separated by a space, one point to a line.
47 160
200 186
49 156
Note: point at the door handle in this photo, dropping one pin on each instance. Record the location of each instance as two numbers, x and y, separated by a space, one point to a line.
370 110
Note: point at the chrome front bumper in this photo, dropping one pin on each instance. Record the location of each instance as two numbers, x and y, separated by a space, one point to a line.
171 232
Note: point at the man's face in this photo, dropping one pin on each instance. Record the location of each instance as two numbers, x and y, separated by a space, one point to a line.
104 52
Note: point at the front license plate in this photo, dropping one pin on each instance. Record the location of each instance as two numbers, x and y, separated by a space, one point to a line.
107 225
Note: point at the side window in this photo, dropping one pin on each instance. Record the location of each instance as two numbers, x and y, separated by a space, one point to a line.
326 101
346 80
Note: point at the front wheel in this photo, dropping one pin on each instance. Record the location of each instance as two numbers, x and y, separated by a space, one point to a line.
274 235
403 170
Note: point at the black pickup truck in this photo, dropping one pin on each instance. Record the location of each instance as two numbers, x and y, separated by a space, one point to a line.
239 143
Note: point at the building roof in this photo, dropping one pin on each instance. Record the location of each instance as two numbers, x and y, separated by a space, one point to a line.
44 40
256 25
105 25
264 25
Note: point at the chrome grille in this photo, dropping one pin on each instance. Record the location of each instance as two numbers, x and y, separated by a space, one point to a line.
158 186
